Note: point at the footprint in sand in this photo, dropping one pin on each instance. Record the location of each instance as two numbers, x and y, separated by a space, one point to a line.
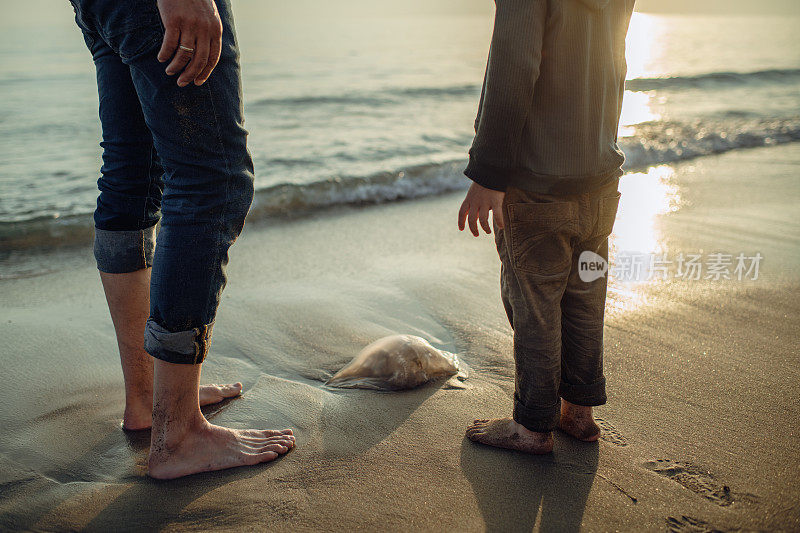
694 478
687 524
610 434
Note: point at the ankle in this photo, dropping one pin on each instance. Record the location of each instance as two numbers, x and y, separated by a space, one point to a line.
169 431
529 432
572 410
139 400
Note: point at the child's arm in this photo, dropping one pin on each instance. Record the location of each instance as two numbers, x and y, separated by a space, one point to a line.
511 74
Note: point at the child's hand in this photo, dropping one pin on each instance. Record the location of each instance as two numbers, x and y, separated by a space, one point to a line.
477 204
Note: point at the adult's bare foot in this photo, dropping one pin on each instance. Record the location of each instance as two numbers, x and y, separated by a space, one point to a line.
139 409
138 414
506 433
208 447
211 394
577 421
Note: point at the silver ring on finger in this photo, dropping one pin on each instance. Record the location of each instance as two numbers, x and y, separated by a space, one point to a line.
186 49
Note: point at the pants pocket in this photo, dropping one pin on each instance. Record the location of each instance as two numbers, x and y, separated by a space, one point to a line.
540 237
130 28
606 215
137 41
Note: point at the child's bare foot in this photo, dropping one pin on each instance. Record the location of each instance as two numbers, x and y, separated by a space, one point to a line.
505 433
139 410
208 447
577 421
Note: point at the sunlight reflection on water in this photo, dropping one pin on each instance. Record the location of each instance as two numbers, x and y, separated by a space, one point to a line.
643 33
645 197
636 108
640 44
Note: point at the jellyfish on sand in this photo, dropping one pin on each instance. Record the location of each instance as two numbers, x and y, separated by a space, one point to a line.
398 362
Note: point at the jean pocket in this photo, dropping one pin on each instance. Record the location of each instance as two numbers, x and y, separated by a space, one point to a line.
136 41
541 235
130 28
606 215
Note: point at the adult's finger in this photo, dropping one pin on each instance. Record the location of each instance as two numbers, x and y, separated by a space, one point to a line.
171 41
198 62
462 215
483 216
473 221
213 58
497 213
182 57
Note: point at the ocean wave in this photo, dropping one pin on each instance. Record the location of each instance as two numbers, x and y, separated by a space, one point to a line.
652 143
446 91
415 182
715 79
380 97
376 98
324 99
666 142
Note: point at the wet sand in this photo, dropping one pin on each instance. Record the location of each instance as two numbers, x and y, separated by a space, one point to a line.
700 429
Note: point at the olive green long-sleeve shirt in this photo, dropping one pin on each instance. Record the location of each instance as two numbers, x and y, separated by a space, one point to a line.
552 95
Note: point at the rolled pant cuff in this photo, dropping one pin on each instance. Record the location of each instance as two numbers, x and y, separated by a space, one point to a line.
589 395
188 347
539 419
120 252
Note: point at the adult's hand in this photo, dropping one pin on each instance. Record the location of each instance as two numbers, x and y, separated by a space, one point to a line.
476 206
193 39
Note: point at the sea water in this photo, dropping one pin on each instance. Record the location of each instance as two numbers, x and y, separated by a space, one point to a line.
369 109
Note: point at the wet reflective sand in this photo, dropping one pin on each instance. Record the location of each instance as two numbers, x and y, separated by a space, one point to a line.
702 378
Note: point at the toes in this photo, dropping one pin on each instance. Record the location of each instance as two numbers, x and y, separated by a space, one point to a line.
262 433
257 442
474 435
231 390
477 426
276 432
263 457
283 441
266 433
473 432
278 448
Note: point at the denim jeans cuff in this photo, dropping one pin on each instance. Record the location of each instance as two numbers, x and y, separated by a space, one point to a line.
187 347
541 419
589 395
120 252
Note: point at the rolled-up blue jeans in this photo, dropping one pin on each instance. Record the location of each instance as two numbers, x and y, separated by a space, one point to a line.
172 154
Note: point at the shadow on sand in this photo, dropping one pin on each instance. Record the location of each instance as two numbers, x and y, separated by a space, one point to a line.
373 419
150 505
512 488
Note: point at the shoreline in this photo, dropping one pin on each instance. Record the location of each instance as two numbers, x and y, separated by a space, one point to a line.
291 201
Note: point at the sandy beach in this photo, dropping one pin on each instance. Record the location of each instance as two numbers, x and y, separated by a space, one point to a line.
700 432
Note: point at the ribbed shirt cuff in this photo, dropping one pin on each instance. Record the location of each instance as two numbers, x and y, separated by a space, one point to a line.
491 177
